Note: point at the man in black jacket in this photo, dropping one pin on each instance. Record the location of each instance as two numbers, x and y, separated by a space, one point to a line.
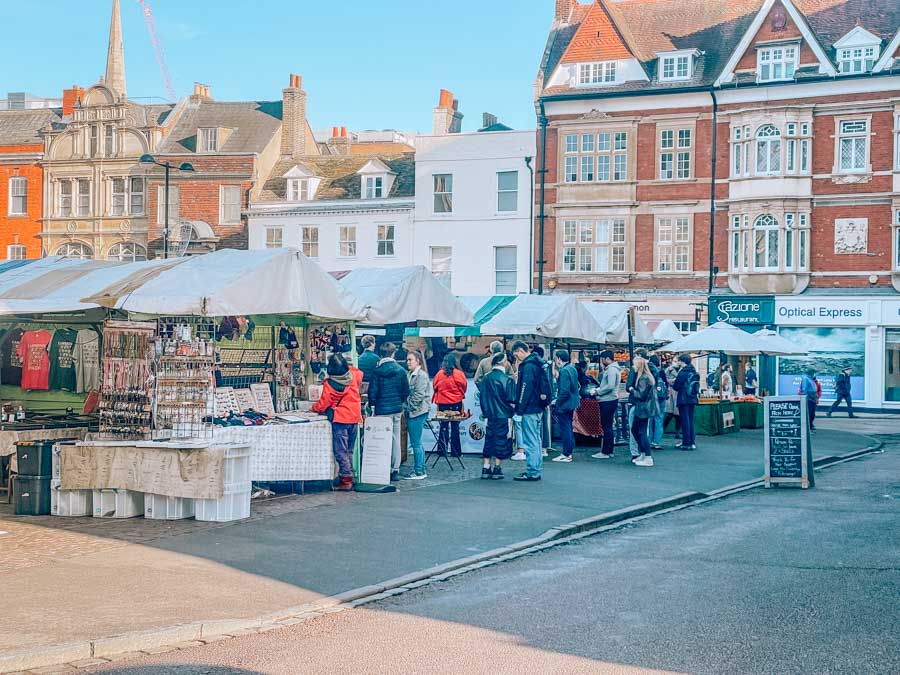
687 384
498 396
568 399
388 391
532 397
368 360
842 389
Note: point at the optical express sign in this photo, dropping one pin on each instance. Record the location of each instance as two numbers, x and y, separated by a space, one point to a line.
762 311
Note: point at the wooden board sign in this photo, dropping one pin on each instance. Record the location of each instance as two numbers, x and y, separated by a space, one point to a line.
376 456
788 452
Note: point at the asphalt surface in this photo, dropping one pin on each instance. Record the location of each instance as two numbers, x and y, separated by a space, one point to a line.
769 581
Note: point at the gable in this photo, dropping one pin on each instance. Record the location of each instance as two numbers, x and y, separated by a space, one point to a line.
374 166
858 37
596 39
777 21
299 171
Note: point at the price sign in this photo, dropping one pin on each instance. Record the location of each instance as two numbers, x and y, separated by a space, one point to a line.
788 453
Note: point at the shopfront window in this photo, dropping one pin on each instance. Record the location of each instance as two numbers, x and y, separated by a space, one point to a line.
892 365
830 350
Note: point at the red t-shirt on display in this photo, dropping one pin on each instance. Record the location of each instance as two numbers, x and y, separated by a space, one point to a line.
35 360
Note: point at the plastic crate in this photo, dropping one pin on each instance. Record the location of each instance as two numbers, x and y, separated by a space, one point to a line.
234 504
161 507
32 495
56 460
33 458
237 464
70 503
110 503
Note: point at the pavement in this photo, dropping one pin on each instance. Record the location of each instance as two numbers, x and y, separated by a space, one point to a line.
73 580
767 581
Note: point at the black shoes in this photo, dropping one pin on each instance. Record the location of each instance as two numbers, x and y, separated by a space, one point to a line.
525 478
486 473
497 474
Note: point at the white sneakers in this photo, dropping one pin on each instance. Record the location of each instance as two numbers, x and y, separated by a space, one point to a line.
643 460
519 457
563 458
600 455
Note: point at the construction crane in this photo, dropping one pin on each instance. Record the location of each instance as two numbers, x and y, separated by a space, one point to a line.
158 50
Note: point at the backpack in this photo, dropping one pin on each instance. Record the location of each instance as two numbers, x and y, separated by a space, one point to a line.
662 387
694 387
545 385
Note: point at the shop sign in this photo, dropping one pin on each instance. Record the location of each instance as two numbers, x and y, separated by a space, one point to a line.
742 310
890 313
849 312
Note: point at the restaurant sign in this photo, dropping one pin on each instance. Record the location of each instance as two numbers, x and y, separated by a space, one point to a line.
753 310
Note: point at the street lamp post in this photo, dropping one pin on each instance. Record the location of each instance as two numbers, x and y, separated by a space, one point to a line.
186 168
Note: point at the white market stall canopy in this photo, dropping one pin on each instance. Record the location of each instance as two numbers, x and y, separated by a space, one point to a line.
614 317
666 332
484 308
723 337
406 295
224 283
775 345
560 317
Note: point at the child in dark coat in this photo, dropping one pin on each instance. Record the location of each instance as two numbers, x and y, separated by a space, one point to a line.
498 396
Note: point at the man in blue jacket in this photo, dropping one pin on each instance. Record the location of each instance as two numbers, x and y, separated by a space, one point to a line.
368 360
568 398
532 397
687 384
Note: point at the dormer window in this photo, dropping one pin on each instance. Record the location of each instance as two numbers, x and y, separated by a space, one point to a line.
209 139
857 59
675 67
298 190
597 73
374 187
774 64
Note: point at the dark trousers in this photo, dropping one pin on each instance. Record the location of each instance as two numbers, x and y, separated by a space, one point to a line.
639 431
451 428
497 443
566 433
811 404
607 418
841 397
343 439
677 419
688 437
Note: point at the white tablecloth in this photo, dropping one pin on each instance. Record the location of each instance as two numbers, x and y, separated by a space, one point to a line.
284 452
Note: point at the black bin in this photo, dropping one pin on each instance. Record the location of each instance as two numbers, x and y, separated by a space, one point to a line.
32 495
35 458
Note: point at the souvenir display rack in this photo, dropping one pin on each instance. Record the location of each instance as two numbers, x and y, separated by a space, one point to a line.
185 355
127 380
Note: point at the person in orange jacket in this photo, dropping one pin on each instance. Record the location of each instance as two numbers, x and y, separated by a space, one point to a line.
340 402
450 386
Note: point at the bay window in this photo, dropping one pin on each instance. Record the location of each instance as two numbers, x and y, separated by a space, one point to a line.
768 150
780 243
766 235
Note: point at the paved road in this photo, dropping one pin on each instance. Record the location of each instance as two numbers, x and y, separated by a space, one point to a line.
779 581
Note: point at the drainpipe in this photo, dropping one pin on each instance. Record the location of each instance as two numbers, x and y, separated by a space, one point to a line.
712 192
528 161
542 214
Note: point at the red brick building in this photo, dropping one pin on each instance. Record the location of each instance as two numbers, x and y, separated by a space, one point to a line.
21 181
796 103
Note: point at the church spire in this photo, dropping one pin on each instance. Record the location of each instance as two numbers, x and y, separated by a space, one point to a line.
115 58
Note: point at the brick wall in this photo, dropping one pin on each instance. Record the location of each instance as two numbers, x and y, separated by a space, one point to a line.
24 230
199 195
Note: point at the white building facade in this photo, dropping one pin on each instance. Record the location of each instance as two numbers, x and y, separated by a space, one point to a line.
473 210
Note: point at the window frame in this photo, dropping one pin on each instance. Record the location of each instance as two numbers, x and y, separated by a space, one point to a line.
514 271
444 277
274 236
120 209
767 229
896 239
381 232
855 138
670 243
135 256
765 58
595 244
224 206
675 60
17 249
768 141
70 245
352 244
208 139
444 196
298 190
608 152
374 187
12 196
514 191
63 210
161 204
109 141
595 73
866 61
132 206
83 199
309 241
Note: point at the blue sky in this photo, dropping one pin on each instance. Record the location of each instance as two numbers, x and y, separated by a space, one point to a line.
365 65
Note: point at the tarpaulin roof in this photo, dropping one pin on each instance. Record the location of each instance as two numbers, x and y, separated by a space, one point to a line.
613 316
723 337
484 308
776 345
406 295
560 317
666 332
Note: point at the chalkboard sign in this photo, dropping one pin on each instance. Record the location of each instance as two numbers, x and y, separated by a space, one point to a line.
788 453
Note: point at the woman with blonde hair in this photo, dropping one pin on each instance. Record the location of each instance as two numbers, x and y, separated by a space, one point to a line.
646 407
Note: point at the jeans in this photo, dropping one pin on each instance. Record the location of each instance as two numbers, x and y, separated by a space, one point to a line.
566 432
633 446
811 404
640 434
414 427
658 425
343 440
607 423
834 406
531 439
520 435
687 425
451 428
395 445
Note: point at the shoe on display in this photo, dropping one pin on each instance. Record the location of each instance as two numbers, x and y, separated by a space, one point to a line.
563 458
416 476
519 457
600 455
644 460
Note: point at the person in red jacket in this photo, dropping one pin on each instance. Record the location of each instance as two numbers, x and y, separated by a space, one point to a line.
450 386
340 401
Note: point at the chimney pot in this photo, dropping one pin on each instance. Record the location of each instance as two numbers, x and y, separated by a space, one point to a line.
334 132
296 81
446 99
71 98
343 132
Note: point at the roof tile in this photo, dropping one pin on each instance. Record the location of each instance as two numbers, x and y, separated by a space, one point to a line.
596 39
